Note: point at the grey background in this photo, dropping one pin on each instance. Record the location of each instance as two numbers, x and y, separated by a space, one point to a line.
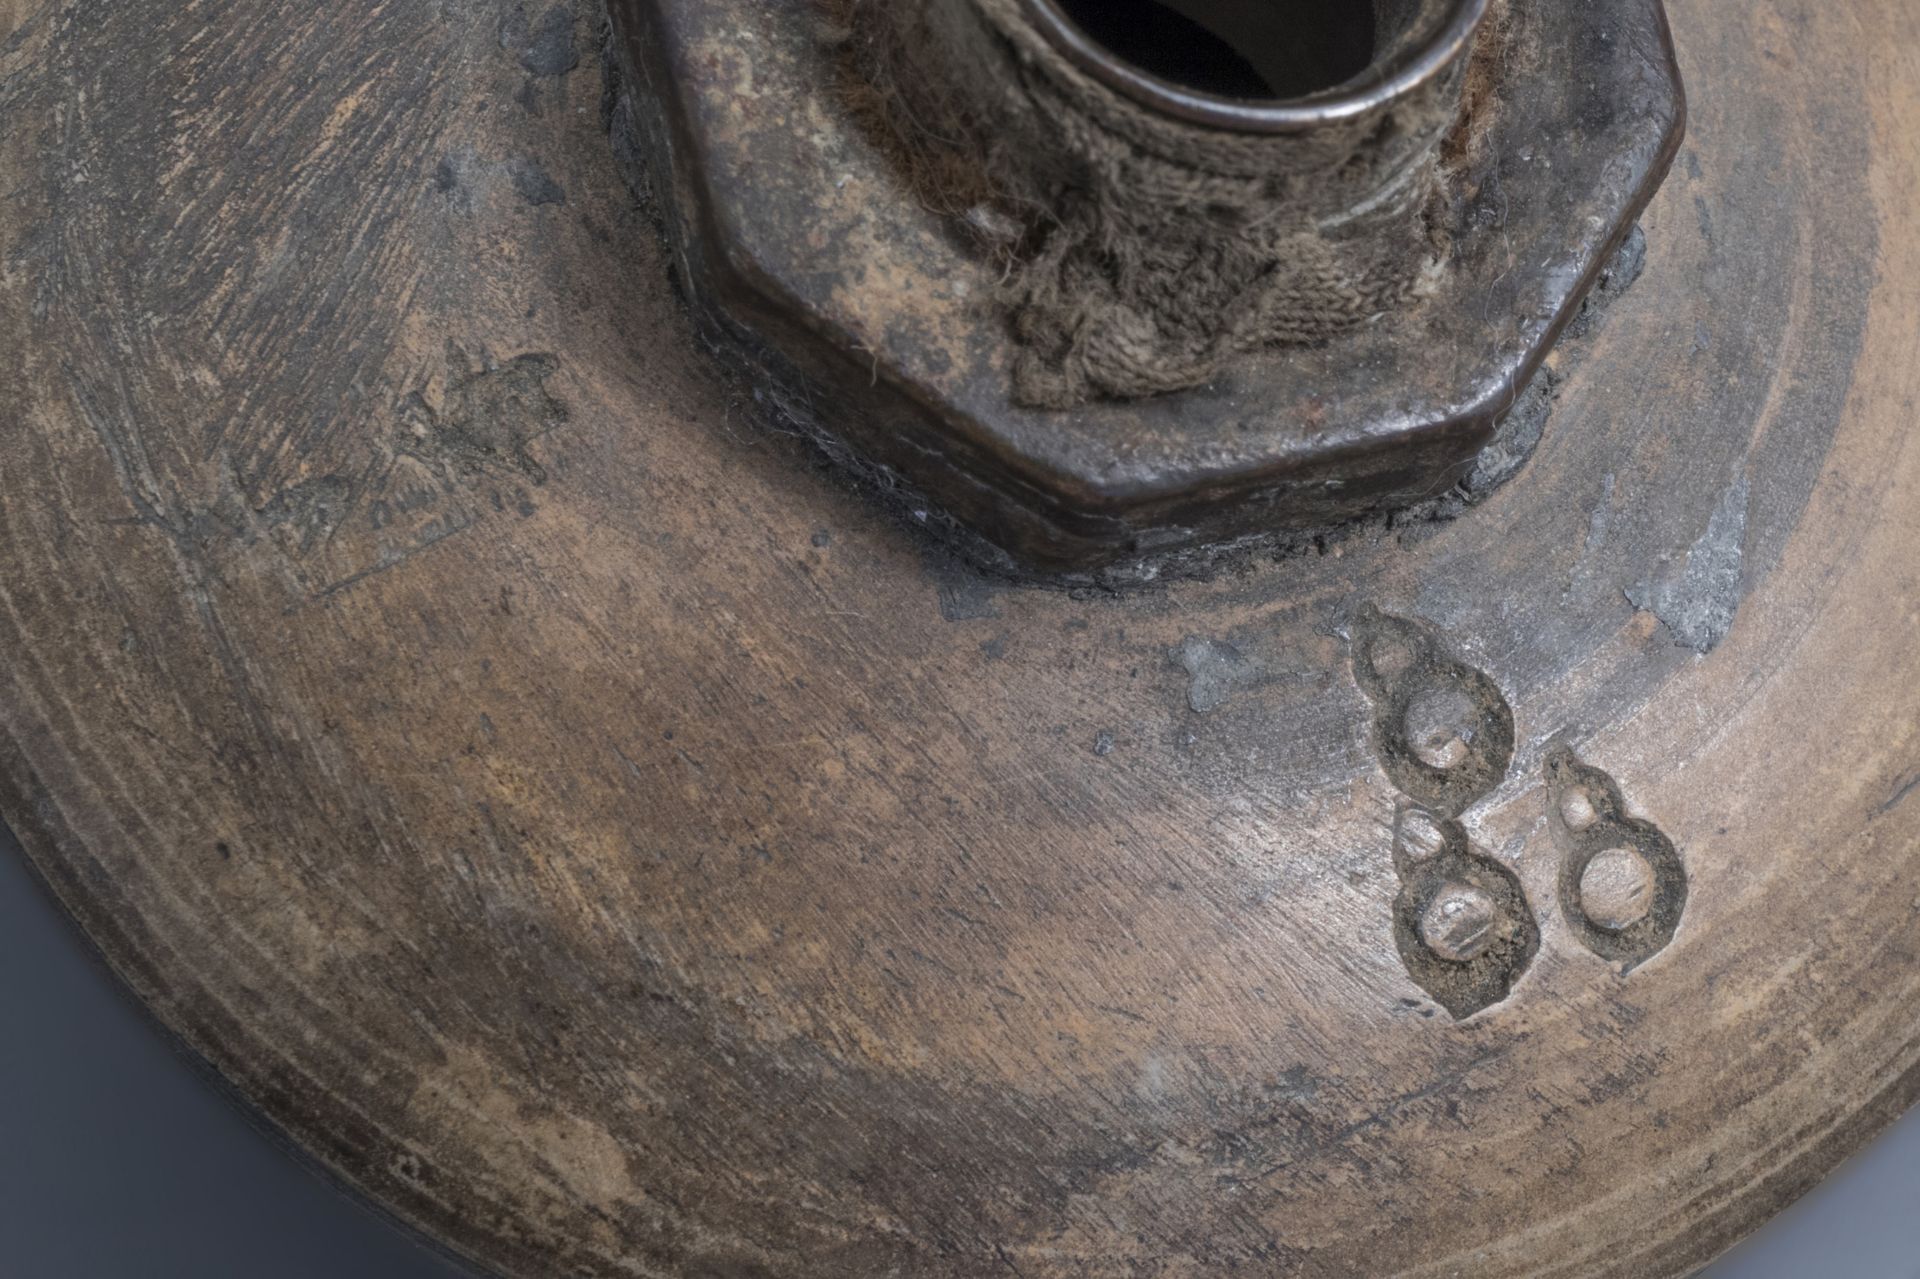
119 1160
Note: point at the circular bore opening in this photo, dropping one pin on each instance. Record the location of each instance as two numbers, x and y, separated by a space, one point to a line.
1253 49
1616 890
1264 65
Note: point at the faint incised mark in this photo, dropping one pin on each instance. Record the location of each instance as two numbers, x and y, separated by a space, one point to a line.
1623 886
546 46
1442 730
307 513
491 417
1215 670
1697 598
1462 921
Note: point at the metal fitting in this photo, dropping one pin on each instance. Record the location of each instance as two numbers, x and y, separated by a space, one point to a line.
870 317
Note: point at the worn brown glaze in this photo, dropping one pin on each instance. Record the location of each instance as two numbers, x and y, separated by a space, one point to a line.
618 846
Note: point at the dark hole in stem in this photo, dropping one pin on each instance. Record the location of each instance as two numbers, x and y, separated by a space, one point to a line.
1250 49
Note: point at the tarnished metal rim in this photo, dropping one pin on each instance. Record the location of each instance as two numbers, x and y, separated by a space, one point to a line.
1378 88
